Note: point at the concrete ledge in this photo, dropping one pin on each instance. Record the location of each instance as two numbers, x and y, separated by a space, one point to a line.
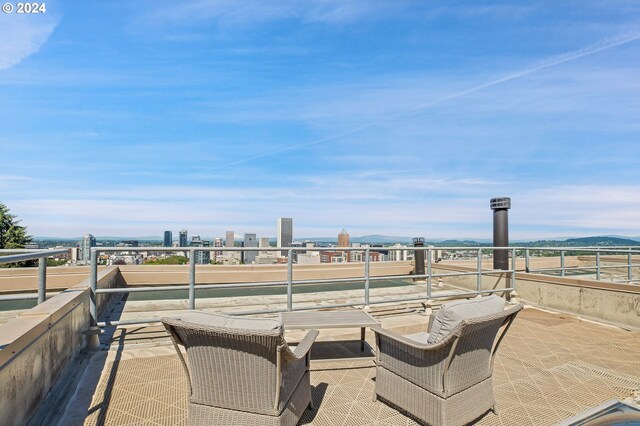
139 275
599 300
21 280
579 282
36 346
609 302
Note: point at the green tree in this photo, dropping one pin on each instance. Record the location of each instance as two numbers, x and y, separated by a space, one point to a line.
12 235
171 260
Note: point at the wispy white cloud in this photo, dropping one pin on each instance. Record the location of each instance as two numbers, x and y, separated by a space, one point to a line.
405 205
230 13
351 110
23 35
591 209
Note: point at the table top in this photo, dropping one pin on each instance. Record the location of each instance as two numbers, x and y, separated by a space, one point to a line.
327 319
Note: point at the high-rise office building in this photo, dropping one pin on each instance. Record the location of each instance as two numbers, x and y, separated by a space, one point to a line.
87 242
74 254
264 242
202 257
168 238
250 240
217 242
183 238
343 239
229 239
285 233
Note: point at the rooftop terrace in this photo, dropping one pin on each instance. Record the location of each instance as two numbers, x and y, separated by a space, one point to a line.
551 366
574 346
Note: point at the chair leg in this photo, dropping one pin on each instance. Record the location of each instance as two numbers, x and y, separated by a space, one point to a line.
375 397
495 409
312 406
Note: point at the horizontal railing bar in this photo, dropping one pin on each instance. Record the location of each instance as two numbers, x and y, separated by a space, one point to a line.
141 289
493 271
54 251
30 255
277 283
25 296
303 308
108 323
452 274
573 268
186 287
18 297
308 308
327 280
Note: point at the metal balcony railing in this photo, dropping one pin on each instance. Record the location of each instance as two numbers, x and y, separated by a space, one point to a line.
480 252
290 282
598 267
21 255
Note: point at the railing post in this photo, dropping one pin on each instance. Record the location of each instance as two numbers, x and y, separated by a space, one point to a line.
562 263
290 280
93 283
513 268
429 272
479 277
526 260
93 333
629 266
42 280
597 264
192 279
366 277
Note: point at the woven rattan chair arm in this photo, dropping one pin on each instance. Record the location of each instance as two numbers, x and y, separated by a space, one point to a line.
412 343
303 347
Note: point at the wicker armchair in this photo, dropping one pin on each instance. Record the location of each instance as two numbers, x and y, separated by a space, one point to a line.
241 371
444 383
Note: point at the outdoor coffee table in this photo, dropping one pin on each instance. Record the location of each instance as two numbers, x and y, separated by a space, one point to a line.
329 319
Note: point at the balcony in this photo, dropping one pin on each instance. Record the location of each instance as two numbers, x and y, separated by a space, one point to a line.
574 346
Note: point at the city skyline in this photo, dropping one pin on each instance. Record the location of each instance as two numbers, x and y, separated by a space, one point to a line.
393 118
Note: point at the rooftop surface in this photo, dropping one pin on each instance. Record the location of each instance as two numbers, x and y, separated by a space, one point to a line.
549 367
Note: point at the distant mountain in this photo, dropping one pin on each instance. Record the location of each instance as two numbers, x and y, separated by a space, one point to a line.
56 239
106 238
459 243
147 238
602 241
623 237
381 239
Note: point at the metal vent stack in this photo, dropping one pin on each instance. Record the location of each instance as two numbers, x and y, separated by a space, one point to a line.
418 257
500 207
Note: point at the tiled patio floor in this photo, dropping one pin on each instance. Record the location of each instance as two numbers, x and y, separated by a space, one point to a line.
549 367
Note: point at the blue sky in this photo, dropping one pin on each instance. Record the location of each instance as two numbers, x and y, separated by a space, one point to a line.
397 118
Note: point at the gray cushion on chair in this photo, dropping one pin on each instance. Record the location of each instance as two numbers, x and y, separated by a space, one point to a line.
227 321
450 314
418 337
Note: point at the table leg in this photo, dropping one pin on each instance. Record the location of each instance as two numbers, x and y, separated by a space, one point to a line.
362 330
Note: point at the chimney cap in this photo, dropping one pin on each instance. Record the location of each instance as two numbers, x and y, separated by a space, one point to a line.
500 203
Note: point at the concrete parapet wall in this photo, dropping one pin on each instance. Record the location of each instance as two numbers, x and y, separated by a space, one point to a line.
136 275
600 300
492 281
610 302
20 280
534 262
36 346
